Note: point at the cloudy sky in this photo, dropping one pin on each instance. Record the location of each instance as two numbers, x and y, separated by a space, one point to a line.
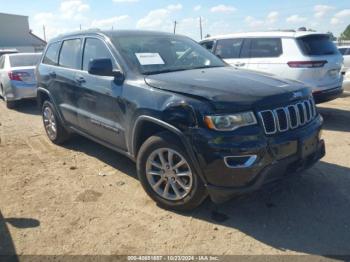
220 16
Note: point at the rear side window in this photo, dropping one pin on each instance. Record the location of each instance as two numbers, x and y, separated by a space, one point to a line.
265 47
344 51
24 60
2 62
229 48
51 56
317 45
94 49
208 45
70 55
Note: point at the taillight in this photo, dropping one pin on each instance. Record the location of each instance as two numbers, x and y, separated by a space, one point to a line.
18 76
307 64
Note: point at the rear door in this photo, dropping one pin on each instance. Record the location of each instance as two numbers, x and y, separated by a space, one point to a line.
265 54
230 51
64 75
99 103
319 48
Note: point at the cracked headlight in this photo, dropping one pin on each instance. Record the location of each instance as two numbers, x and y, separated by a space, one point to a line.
230 122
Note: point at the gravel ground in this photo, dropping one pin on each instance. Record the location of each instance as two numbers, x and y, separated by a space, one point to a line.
85 199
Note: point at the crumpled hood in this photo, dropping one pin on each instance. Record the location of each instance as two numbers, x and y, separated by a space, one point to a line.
230 85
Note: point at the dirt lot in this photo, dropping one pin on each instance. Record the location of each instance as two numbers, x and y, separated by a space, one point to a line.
85 199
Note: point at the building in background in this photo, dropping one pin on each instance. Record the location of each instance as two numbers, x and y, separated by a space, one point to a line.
16 34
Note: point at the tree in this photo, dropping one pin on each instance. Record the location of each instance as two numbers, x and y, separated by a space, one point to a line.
346 34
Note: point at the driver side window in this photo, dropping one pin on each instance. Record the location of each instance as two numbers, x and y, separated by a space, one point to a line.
95 49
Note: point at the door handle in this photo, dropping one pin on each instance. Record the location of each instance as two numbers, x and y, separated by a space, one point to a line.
80 79
52 74
240 64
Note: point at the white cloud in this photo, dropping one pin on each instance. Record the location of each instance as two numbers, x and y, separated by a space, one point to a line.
43 18
322 10
272 17
153 19
197 8
295 19
108 23
158 18
253 22
176 7
73 9
223 9
338 17
125 1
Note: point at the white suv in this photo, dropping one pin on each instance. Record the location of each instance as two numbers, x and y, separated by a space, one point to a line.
304 56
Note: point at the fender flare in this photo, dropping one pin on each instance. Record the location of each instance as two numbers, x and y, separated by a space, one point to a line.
47 92
184 140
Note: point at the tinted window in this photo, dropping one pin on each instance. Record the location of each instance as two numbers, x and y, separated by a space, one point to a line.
154 54
70 54
24 60
208 45
51 56
94 49
229 48
342 51
315 45
265 47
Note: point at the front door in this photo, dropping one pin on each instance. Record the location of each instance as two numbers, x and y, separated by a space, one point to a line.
99 104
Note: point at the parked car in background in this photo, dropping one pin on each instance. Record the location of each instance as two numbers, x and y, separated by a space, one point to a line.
17 77
194 125
345 51
307 57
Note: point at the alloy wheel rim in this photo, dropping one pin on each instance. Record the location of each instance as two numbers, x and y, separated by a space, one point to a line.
50 123
169 174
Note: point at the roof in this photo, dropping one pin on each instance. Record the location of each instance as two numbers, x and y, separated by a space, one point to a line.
112 33
289 34
23 54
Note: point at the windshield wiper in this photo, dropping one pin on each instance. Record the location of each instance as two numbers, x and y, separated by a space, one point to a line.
165 71
176 70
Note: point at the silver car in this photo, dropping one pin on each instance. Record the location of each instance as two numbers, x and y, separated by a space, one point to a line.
17 77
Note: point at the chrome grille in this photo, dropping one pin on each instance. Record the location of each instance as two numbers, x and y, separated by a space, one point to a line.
286 118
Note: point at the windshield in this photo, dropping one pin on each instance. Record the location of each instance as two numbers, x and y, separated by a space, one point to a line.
160 54
24 60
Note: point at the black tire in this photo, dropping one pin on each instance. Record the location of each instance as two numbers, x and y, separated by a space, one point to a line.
10 104
197 193
62 135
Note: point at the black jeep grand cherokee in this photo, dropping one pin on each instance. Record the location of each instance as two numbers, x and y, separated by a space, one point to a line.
194 125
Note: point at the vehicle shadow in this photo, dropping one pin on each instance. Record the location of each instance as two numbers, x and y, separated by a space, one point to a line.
104 154
335 119
7 247
27 107
307 213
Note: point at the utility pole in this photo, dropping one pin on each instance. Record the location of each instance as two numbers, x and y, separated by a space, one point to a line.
175 23
80 27
200 27
44 32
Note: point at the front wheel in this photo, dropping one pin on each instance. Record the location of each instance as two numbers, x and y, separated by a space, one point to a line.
167 174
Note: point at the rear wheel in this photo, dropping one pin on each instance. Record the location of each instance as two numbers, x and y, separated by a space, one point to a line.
10 104
53 127
167 174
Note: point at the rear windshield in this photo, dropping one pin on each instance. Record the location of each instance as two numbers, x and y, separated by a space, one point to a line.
317 45
24 60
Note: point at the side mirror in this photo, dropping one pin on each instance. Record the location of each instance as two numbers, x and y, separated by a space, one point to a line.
104 67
